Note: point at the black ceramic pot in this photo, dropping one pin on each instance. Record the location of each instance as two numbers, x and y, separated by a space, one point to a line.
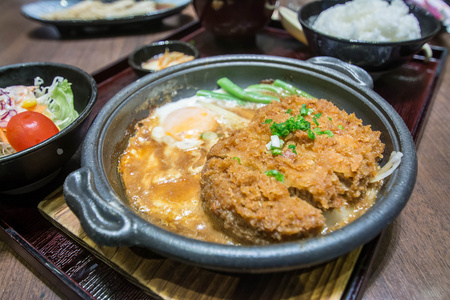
371 56
95 193
34 167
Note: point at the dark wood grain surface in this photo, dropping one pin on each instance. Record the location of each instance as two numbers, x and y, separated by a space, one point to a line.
414 257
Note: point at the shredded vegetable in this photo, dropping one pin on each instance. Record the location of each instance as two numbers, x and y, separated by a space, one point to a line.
59 101
394 161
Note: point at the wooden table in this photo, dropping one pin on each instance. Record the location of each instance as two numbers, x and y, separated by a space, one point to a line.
414 258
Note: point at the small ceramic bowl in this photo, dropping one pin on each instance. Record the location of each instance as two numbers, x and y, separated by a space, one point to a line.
36 166
147 52
371 56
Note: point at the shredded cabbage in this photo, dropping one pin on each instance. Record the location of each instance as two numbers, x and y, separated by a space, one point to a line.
6 149
59 100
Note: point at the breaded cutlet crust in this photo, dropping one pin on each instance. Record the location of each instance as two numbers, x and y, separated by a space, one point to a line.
326 172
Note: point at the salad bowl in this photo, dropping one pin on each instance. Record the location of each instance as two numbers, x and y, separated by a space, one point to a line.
34 167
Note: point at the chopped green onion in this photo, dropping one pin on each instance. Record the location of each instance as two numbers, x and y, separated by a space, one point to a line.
290 125
318 131
328 132
292 147
303 110
315 121
275 145
274 173
311 134
341 127
276 151
237 159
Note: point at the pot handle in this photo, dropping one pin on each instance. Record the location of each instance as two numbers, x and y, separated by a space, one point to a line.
103 223
357 74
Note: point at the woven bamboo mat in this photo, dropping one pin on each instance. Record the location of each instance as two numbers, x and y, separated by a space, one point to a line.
168 279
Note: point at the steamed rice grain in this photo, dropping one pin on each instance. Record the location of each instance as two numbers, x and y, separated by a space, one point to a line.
369 20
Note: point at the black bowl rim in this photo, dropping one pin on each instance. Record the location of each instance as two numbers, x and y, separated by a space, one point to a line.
81 117
136 66
246 259
413 9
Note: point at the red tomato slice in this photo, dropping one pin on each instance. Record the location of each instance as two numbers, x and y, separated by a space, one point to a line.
29 128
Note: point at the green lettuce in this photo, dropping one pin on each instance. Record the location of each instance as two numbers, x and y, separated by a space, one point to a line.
59 101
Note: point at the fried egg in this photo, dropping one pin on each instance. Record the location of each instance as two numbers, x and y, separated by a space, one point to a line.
189 122
196 122
161 166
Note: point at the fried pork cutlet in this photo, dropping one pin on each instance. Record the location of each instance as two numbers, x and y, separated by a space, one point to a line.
314 170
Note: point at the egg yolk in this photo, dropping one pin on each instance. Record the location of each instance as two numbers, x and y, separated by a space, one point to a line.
189 123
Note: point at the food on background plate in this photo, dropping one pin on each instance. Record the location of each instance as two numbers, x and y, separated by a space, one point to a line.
370 21
264 164
99 10
32 114
165 60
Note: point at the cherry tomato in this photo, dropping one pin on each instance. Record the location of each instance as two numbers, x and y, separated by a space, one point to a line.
29 128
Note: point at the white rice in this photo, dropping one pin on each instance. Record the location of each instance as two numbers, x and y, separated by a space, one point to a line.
369 20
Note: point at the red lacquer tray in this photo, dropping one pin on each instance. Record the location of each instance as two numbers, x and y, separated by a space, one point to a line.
77 273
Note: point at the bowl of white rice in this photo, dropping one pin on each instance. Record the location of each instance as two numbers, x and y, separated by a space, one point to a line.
376 35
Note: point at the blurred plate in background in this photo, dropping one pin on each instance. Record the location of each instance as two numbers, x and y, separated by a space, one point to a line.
36 11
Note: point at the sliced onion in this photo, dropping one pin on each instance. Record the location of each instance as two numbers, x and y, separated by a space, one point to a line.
394 161
275 139
8 114
7 101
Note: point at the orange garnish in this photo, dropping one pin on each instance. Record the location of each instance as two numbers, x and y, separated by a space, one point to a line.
3 136
38 108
